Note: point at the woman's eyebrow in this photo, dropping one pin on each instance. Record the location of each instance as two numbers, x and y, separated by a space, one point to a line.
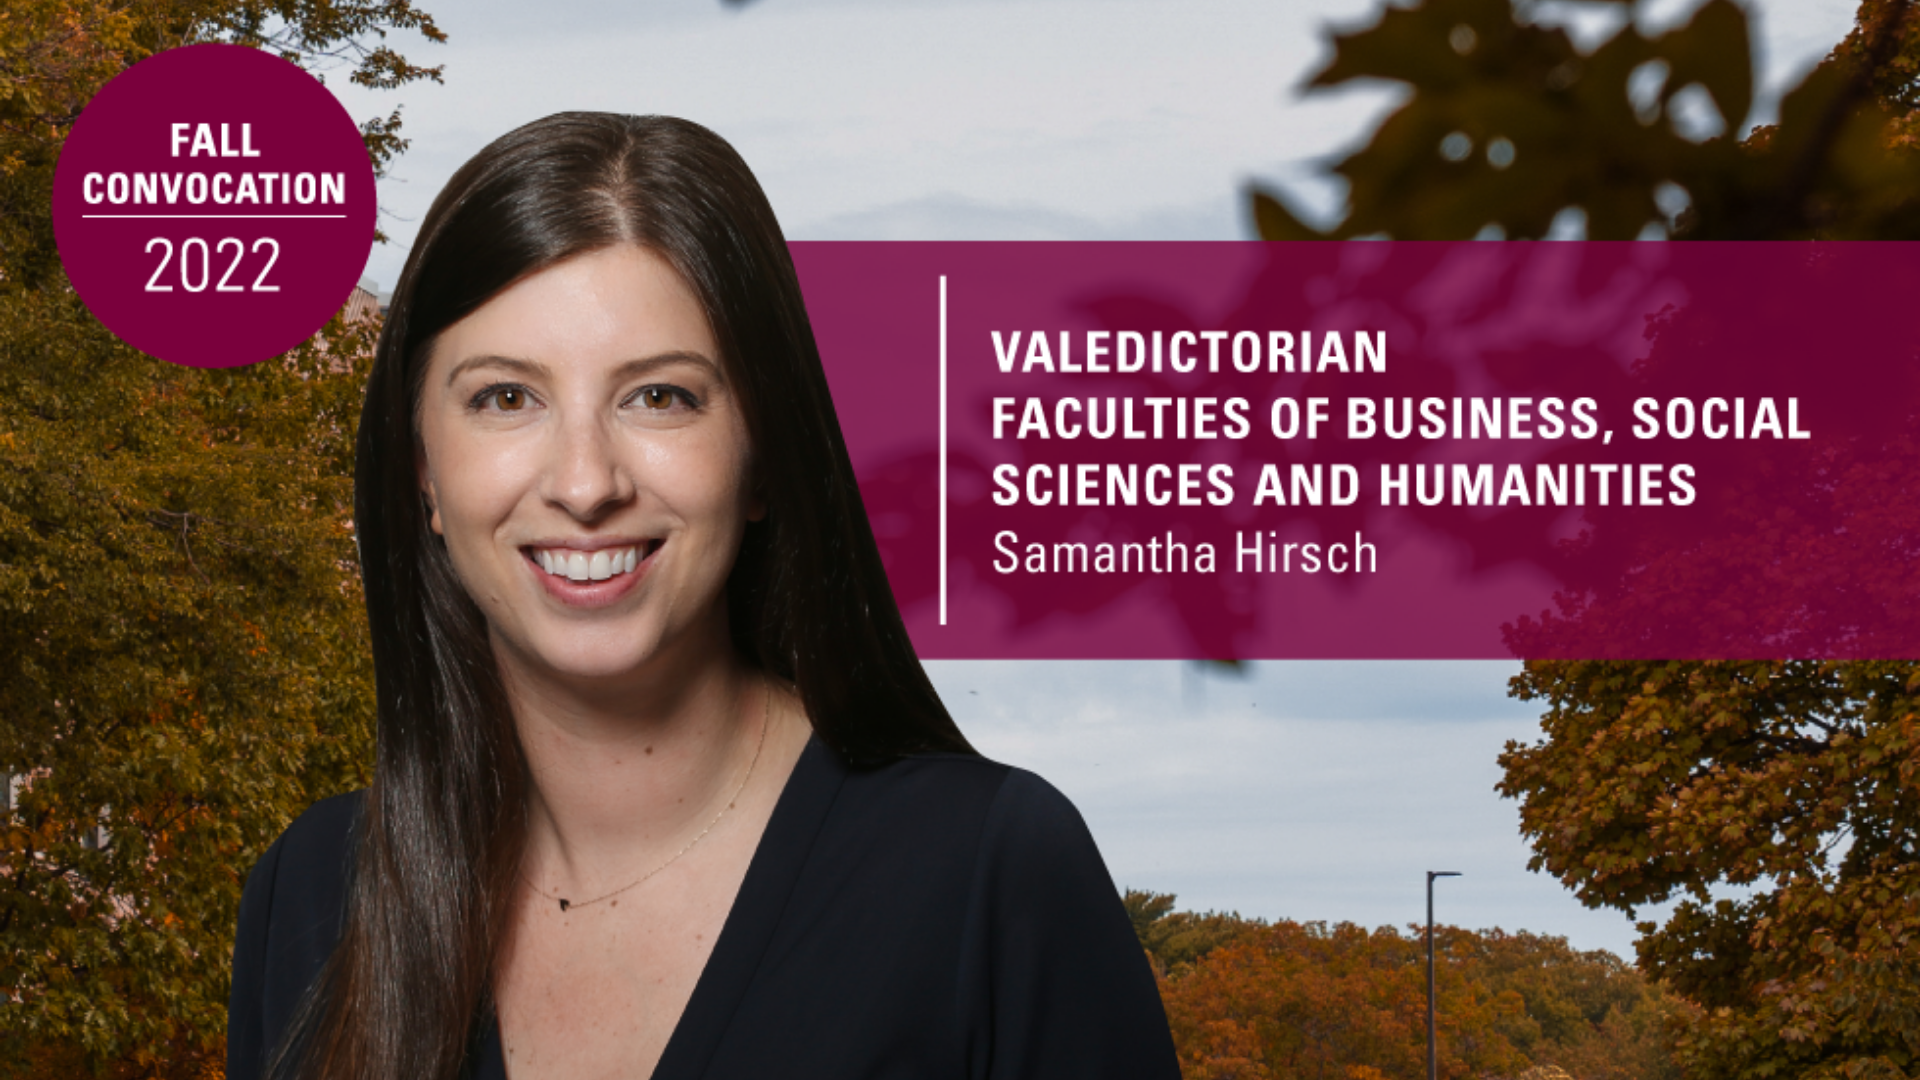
646 364
629 369
511 363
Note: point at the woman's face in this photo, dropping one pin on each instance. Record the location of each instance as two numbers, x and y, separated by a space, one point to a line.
588 465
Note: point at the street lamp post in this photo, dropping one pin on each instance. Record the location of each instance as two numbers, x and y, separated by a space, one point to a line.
1433 1053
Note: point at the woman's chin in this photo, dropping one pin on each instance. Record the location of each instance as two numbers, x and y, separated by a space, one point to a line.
608 652
588 667
594 659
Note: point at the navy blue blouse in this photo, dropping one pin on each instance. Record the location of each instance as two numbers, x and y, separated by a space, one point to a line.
942 916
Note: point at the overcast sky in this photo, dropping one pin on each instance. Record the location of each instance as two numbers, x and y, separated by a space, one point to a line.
948 119
1311 791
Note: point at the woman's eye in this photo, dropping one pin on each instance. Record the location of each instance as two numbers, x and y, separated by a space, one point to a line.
663 398
501 399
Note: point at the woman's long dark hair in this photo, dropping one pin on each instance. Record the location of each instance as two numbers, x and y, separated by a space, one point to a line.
441 832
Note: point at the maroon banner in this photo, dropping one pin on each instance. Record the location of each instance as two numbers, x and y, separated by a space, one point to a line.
1388 450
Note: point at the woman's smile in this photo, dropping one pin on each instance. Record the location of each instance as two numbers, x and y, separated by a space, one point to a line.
591 573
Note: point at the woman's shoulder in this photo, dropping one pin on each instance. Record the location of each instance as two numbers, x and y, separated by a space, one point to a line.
984 879
990 808
290 919
1009 796
325 828
300 883
954 840
319 842
933 774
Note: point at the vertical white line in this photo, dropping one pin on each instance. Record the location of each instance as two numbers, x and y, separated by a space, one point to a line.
943 449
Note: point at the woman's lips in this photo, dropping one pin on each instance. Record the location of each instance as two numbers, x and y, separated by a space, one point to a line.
591 577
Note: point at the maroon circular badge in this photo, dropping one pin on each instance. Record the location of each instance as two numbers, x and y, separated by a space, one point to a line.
214 205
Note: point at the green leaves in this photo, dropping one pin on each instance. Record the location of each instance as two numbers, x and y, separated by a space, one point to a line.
1175 940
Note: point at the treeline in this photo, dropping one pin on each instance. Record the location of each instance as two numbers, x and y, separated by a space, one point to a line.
1313 1001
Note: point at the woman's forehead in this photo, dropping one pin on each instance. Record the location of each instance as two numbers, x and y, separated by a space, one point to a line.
589 312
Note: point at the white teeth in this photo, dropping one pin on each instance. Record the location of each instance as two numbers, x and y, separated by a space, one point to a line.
584 566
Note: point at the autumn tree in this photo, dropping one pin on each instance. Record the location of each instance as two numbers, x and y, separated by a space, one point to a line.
1312 1001
1510 127
1175 940
1779 804
183 659
1587 1013
182 668
1773 800
1319 1002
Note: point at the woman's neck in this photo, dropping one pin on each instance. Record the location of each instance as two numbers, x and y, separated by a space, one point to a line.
624 774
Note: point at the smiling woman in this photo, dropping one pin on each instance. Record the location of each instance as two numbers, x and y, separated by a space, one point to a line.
661 787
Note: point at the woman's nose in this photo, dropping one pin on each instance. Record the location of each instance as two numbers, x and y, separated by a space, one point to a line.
585 475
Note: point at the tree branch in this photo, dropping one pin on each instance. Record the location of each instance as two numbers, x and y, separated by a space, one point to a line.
1788 208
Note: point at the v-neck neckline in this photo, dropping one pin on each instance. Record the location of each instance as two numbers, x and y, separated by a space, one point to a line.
778 859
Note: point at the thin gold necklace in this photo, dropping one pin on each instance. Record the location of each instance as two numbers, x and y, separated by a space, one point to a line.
565 904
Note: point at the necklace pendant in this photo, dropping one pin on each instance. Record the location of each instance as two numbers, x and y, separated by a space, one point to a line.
564 905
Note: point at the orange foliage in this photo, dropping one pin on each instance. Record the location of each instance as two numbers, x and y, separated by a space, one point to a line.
1315 1002
1310 1001
181 1060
